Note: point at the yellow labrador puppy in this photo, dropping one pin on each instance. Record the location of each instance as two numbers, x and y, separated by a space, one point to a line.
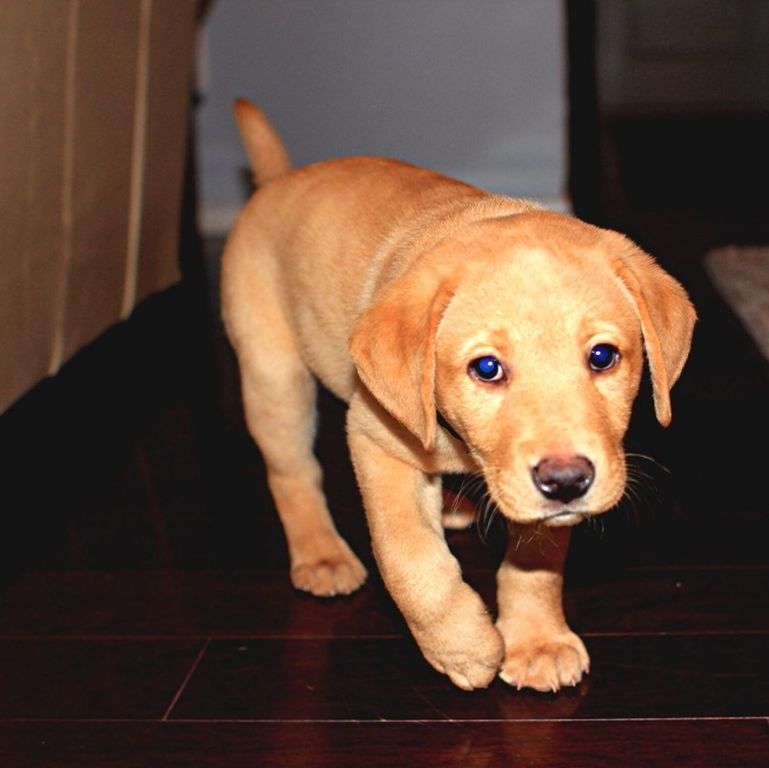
468 333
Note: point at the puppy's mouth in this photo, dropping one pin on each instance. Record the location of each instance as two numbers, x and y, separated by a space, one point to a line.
564 518
551 516
547 513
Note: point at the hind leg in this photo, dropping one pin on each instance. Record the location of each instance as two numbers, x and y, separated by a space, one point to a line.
279 401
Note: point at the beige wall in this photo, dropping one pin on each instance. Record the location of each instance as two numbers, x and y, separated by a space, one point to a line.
93 100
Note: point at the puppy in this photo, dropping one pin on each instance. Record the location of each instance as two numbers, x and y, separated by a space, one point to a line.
469 333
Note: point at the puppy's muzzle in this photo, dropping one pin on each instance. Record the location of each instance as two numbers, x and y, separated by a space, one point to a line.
563 478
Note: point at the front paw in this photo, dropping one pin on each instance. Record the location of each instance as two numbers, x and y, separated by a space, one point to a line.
545 664
463 644
328 572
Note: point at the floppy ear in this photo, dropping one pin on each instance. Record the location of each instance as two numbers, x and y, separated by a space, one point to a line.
393 346
667 319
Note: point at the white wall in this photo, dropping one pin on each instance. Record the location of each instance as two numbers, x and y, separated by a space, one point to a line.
473 88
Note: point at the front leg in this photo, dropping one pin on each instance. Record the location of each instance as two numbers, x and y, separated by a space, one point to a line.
447 618
541 652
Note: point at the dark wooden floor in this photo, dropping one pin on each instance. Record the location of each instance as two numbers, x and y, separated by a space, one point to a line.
146 616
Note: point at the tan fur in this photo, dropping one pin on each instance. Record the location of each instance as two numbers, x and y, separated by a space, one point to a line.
384 281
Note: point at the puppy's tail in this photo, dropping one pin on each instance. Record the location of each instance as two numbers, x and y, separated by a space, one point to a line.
266 154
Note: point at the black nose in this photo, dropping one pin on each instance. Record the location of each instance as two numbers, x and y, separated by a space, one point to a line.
563 478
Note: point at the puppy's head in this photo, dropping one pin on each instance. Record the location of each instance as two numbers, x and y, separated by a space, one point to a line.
527 334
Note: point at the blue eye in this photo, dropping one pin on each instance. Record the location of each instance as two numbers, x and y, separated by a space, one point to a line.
603 357
487 368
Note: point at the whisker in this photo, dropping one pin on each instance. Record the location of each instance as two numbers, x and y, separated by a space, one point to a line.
487 516
598 523
473 488
648 458
527 535
640 496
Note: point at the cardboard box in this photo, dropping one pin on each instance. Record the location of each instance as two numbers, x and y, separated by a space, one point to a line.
93 123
